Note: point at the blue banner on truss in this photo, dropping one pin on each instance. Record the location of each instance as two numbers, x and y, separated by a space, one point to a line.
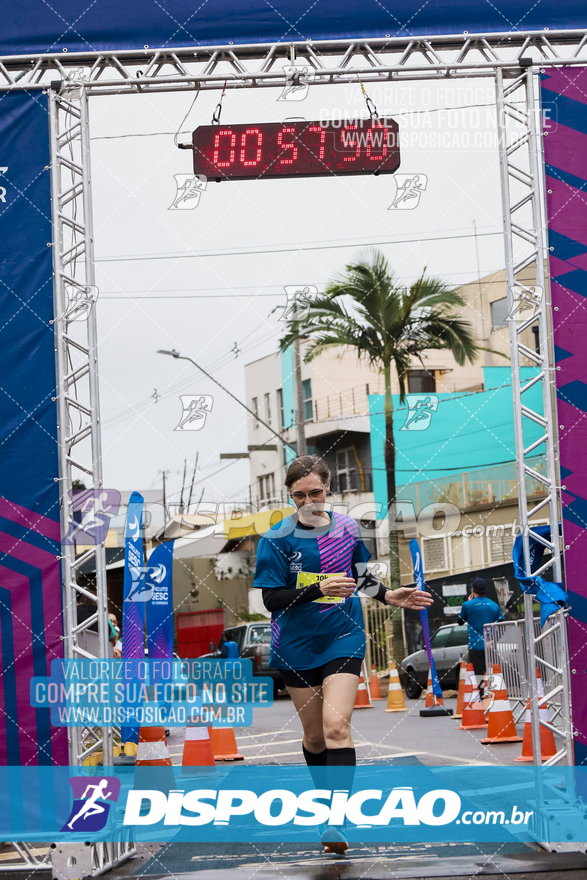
34 26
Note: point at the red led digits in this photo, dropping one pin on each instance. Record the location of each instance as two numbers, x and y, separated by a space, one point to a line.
377 139
347 140
251 147
320 150
224 132
296 149
287 146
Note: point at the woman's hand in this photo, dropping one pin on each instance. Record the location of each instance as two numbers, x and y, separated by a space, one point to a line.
338 586
408 597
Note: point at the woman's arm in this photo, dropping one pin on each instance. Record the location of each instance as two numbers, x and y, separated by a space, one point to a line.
283 598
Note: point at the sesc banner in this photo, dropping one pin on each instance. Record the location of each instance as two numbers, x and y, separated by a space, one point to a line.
31 625
159 608
135 594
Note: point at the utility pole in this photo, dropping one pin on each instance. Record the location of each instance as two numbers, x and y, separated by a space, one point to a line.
192 485
299 398
164 474
185 464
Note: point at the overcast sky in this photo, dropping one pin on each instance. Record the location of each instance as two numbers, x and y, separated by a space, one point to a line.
167 279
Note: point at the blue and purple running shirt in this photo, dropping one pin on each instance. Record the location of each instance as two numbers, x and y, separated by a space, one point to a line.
292 556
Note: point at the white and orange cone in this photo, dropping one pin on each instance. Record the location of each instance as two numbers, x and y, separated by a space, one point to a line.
395 695
198 756
473 715
431 698
434 704
461 693
224 745
547 743
374 687
501 725
153 764
362 700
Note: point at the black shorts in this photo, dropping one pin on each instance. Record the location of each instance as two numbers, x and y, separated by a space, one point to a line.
315 676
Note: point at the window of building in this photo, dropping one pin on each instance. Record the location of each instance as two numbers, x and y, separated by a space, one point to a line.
346 473
267 487
280 409
499 313
434 554
421 382
268 408
255 409
501 542
307 395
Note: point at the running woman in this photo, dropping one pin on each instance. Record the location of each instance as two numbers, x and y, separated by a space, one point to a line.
309 567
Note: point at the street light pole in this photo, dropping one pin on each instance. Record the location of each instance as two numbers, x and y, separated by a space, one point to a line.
299 407
183 357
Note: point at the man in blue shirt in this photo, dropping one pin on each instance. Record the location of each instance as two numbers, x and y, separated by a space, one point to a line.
228 647
477 611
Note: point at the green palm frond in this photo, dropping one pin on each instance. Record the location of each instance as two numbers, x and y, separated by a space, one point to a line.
366 308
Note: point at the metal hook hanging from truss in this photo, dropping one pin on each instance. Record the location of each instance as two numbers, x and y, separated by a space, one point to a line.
218 108
373 112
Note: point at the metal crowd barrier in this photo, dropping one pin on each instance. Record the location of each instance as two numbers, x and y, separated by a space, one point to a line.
505 643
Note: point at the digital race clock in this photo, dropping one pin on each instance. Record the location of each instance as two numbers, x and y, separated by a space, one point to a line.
296 149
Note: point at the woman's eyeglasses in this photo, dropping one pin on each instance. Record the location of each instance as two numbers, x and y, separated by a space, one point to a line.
314 495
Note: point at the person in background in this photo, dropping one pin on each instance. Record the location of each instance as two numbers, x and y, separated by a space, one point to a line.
476 612
115 636
228 647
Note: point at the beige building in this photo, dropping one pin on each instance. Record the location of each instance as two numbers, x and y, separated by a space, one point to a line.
336 389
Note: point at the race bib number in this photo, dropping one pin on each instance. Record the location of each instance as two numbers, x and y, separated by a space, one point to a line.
305 578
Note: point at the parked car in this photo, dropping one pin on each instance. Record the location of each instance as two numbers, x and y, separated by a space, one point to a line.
449 648
253 640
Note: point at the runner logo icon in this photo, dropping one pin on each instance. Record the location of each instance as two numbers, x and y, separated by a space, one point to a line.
421 408
90 807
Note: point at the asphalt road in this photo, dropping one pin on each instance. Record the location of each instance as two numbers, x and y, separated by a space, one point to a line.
275 737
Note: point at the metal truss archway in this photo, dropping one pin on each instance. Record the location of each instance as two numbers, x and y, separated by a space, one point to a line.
513 60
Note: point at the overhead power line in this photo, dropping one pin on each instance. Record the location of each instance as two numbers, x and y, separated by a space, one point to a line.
288 250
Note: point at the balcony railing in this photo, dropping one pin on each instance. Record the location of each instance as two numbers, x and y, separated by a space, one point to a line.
475 488
353 402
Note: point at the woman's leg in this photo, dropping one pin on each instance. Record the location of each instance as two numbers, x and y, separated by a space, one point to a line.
339 694
308 704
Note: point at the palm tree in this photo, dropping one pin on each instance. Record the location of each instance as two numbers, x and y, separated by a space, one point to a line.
366 308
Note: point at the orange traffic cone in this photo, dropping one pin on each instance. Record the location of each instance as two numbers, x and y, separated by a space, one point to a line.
152 750
431 698
153 768
461 693
224 744
434 705
362 700
395 695
473 715
501 727
197 750
374 685
487 697
547 743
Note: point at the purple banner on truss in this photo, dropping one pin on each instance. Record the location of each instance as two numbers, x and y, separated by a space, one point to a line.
31 625
565 155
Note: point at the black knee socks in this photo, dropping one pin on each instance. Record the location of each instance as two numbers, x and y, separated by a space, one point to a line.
341 765
313 760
